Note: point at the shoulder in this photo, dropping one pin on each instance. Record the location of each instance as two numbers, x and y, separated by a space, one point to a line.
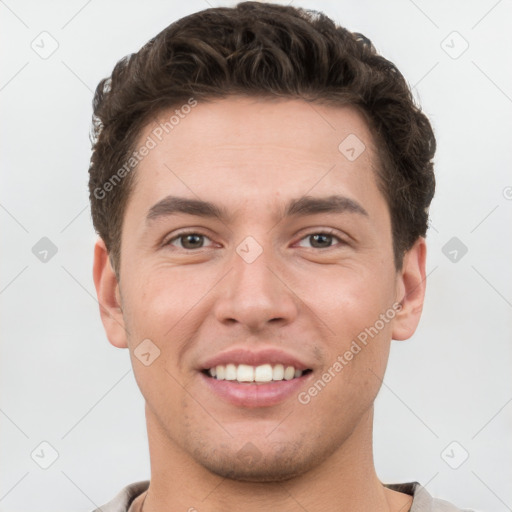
123 499
423 501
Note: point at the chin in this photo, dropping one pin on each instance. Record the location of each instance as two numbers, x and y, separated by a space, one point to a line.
261 472
250 465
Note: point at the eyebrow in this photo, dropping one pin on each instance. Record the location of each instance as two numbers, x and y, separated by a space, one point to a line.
302 206
308 205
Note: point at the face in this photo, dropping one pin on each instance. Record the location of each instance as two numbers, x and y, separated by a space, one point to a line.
273 306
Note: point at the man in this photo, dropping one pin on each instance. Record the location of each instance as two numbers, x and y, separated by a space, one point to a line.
260 181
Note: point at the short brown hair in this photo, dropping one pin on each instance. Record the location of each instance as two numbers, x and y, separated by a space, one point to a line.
262 49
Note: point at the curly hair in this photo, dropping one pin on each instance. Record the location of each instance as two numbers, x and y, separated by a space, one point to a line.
267 50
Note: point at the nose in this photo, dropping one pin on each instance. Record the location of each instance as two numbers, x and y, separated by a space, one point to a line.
256 294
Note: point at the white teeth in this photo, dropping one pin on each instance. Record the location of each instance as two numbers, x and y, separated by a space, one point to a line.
221 372
247 373
278 372
230 372
263 373
289 373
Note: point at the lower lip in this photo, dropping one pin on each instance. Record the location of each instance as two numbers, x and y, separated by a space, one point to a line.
253 395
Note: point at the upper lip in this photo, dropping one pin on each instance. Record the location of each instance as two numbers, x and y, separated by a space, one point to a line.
254 358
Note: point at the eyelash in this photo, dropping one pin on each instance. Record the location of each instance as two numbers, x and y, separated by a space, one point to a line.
328 232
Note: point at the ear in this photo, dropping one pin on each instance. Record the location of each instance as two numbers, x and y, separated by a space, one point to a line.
411 283
107 291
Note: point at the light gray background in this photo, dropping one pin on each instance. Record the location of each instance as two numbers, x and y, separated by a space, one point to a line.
63 383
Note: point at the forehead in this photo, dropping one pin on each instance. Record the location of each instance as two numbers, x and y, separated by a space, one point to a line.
245 120
246 148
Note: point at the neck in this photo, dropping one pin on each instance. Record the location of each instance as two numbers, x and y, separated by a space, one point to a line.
345 481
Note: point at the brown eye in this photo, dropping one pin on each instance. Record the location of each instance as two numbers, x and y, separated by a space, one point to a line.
193 241
321 240
189 241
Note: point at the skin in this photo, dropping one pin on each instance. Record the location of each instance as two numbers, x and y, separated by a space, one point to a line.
251 156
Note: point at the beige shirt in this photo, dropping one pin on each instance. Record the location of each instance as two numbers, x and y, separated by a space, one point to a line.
422 500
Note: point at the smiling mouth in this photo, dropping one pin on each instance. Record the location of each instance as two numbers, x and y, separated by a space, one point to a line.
247 374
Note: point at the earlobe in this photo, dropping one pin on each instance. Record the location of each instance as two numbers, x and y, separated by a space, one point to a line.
410 291
107 291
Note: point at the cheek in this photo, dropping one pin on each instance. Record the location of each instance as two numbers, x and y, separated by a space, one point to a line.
166 307
352 303
158 300
156 318
350 299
